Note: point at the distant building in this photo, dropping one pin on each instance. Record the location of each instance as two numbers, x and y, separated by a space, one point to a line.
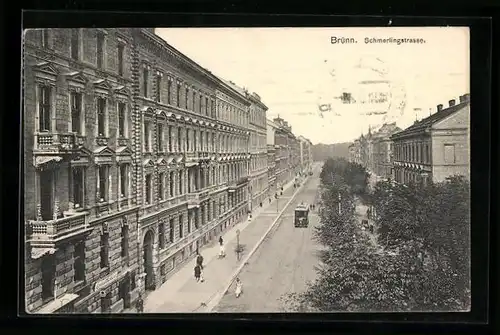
287 152
305 154
272 158
383 150
436 147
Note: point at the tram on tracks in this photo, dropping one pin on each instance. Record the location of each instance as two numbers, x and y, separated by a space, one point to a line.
302 216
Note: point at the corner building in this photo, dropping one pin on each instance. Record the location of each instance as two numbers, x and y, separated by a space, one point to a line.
191 156
81 207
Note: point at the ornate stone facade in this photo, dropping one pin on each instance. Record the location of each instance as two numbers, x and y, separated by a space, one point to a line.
80 209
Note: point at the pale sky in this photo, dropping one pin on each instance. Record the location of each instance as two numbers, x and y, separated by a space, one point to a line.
291 69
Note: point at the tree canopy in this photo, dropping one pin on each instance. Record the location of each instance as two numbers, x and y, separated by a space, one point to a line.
421 262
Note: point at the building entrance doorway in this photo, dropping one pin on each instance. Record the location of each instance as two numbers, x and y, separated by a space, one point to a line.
148 260
124 291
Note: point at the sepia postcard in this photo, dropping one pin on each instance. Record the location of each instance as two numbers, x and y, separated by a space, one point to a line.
235 170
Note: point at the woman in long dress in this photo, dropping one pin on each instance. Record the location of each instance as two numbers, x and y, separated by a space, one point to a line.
239 288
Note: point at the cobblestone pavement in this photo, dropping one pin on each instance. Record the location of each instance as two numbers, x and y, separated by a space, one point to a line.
284 263
181 293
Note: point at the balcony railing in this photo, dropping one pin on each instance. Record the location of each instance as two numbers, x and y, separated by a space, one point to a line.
48 232
57 143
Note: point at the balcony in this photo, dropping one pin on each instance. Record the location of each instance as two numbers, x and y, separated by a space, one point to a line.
47 234
57 143
195 198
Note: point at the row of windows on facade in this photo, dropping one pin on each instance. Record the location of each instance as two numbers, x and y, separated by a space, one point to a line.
258 141
417 153
258 163
78 183
232 114
78 124
258 116
76 51
204 106
194 140
77 118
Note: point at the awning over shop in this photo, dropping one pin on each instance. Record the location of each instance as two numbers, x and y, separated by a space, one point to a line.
37 253
42 161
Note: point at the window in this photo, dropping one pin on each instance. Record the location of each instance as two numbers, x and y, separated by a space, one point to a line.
186 93
199 104
45 38
79 262
181 230
122 119
124 180
171 184
124 241
427 154
147 137
158 88
171 231
76 112
121 50
206 105
145 78
100 50
48 277
161 235
180 182
78 187
179 139
188 135
170 138
101 116
75 43
104 250
194 101
178 98
102 183
161 188
160 137
44 108
449 153
201 141
148 188
169 91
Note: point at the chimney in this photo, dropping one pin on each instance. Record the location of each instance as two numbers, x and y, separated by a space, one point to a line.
466 97
439 107
451 102
461 98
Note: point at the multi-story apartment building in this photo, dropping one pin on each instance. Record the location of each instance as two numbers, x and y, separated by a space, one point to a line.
258 152
192 155
436 147
80 204
355 151
383 150
272 159
286 146
305 154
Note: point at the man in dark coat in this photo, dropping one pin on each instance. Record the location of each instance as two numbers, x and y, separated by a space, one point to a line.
139 304
199 260
197 273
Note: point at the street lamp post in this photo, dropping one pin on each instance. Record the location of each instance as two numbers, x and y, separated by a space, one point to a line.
340 204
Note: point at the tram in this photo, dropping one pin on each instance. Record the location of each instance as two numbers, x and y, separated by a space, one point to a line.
302 216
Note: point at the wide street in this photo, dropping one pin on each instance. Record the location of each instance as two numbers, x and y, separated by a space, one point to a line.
283 263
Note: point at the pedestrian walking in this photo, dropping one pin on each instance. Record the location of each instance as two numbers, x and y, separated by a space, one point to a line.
199 260
197 273
222 252
239 288
139 304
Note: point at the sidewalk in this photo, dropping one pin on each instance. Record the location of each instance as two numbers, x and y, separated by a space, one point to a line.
181 293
